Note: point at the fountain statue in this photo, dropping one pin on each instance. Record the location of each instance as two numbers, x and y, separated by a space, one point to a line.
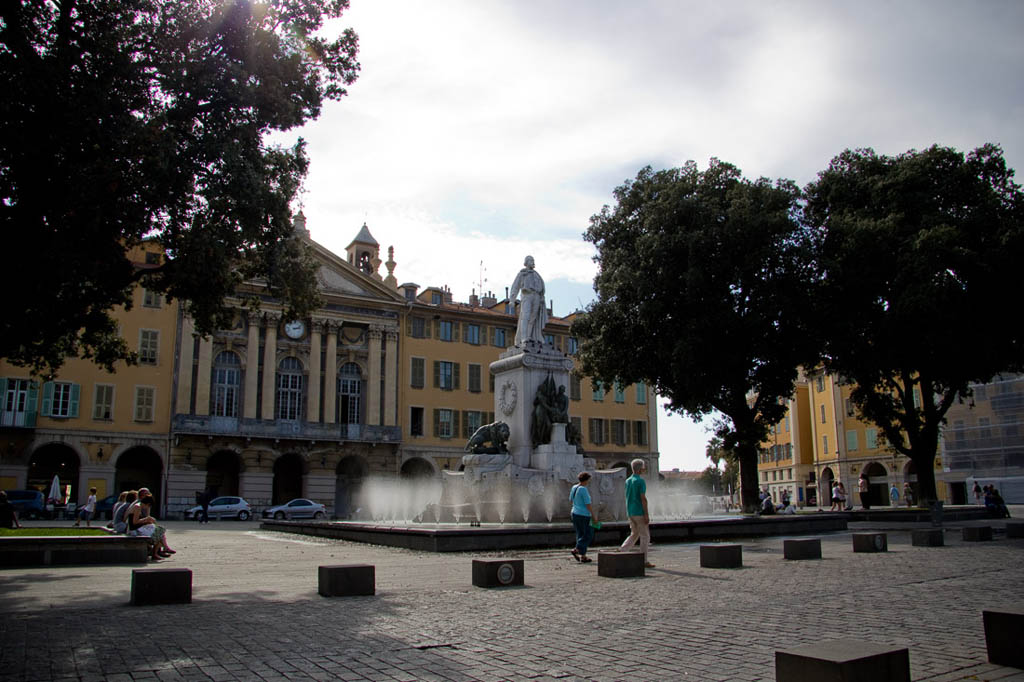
520 468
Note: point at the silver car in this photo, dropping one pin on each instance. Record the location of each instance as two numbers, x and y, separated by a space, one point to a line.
226 507
299 508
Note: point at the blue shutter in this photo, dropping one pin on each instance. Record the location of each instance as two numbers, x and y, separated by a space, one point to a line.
47 399
76 391
30 403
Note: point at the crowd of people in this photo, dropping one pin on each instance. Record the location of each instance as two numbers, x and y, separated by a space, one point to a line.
993 501
132 515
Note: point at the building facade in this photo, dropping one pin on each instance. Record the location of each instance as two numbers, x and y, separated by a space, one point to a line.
382 380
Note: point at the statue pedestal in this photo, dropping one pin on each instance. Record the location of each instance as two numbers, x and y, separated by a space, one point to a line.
558 456
518 373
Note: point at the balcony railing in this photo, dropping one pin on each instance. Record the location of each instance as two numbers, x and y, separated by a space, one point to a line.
199 425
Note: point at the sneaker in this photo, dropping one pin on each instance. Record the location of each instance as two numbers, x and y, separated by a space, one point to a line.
586 560
576 555
648 565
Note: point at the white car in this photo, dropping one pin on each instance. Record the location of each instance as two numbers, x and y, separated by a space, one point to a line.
226 507
299 508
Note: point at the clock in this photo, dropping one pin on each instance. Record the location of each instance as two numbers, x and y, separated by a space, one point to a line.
295 329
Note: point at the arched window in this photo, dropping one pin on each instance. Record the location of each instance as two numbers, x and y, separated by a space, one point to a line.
289 389
350 391
226 372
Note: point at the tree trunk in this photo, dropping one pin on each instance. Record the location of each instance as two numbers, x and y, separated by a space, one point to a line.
746 455
924 463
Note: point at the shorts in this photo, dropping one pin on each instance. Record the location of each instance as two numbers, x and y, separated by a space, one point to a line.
84 514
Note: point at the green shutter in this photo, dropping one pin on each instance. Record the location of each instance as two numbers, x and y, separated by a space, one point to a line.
437 374
437 329
437 422
625 428
455 376
30 403
47 399
465 424
76 392
607 429
408 326
455 423
483 334
3 394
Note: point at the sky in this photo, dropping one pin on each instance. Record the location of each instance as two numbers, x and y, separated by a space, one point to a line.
481 131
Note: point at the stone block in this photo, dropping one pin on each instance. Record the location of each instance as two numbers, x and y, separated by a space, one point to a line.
620 564
721 556
1015 529
977 533
870 542
1004 636
161 586
346 580
497 572
927 537
843 660
804 548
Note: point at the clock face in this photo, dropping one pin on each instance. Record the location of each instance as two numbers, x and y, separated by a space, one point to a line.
295 329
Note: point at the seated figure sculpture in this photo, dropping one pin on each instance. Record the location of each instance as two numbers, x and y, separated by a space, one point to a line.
489 439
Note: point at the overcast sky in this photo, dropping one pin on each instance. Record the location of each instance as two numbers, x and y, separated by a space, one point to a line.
482 131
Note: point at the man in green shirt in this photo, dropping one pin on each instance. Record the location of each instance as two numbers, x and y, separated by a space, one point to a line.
636 509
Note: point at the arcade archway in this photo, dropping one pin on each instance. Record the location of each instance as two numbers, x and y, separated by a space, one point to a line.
222 473
54 459
350 475
139 467
417 468
878 484
288 471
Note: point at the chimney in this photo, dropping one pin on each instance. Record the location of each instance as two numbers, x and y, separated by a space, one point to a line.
474 300
489 301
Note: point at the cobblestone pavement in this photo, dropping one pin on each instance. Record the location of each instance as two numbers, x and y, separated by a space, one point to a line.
256 615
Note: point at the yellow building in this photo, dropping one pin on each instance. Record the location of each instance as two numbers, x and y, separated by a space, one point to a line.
381 379
833 444
87 426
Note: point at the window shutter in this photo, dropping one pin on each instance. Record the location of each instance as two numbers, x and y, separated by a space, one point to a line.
490 417
607 430
465 334
437 422
437 329
483 334
3 392
455 376
408 326
47 399
590 428
625 430
437 374
455 423
465 424
455 331
558 342
76 392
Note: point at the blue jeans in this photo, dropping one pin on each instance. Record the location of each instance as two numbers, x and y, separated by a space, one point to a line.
584 533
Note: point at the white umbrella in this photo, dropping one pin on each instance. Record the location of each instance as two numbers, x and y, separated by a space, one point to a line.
56 495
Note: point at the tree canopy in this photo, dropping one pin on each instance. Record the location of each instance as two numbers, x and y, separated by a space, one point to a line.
917 256
130 119
702 280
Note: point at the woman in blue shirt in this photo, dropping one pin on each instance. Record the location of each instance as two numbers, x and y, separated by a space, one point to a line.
582 515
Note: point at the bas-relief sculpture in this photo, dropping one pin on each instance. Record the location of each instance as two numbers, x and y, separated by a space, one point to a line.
529 480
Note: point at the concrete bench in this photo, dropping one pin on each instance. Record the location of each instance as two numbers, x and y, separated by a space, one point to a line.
161 586
61 550
721 556
804 548
1004 636
620 564
497 572
346 580
1015 529
977 533
927 537
843 660
870 542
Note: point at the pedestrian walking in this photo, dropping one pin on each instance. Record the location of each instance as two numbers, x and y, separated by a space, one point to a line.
978 494
894 495
582 516
636 509
908 494
865 490
85 513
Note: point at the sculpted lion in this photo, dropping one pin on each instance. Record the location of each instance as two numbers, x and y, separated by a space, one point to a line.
496 434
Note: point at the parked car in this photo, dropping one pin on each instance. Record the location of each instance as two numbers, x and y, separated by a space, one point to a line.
28 503
299 508
224 507
105 507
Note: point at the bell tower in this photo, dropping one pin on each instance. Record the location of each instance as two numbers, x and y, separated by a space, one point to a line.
364 252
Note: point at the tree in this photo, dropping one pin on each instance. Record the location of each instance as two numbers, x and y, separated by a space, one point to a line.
130 119
918 253
700 293
730 475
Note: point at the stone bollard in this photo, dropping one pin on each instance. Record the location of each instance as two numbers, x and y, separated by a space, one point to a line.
620 564
1015 529
806 548
497 572
161 586
842 660
346 580
870 542
721 556
1003 636
927 537
977 533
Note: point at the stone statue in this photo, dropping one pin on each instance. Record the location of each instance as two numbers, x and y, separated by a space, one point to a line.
574 437
533 314
550 406
496 434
